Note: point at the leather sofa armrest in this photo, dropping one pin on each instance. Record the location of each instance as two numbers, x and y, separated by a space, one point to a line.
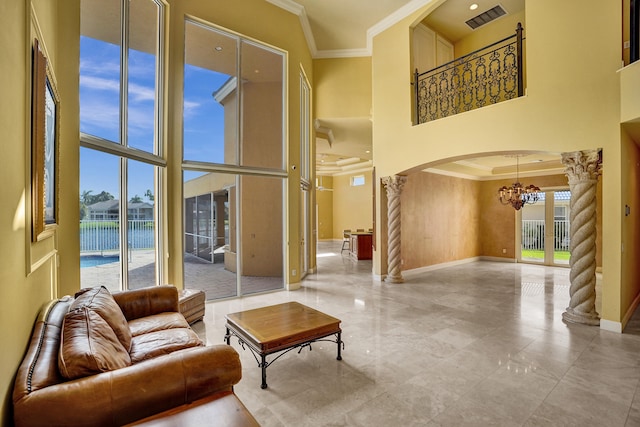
144 302
128 394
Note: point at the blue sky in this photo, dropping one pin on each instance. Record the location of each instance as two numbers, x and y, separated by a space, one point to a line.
99 115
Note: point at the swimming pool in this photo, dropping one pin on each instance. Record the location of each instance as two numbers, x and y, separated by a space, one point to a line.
96 260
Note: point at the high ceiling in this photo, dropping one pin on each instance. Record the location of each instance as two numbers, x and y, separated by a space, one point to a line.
339 28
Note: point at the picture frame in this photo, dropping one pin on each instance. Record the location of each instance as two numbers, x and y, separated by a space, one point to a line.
44 145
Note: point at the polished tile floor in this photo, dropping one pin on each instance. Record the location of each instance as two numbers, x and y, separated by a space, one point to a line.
477 344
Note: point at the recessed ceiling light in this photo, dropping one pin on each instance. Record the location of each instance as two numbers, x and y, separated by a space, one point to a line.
474 6
367 151
218 48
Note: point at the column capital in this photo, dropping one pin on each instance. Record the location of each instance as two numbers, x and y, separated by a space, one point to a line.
394 184
582 166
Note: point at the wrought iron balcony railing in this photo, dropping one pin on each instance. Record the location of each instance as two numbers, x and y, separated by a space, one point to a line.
487 76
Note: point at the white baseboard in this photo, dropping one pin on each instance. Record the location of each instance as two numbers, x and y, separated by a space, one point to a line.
611 326
417 271
498 259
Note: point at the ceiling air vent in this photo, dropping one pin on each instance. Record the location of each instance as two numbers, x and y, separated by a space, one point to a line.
486 17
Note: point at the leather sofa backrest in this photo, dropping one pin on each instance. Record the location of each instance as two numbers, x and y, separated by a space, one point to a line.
138 303
40 365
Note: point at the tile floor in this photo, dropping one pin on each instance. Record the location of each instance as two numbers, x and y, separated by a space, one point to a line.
478 344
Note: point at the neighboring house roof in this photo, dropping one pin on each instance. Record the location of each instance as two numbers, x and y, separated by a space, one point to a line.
109 205
140 205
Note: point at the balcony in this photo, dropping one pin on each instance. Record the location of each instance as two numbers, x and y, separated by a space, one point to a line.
486 76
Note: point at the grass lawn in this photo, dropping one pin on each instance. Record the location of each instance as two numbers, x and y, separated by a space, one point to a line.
558 255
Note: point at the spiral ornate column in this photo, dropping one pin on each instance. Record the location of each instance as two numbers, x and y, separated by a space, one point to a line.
393 185
582 169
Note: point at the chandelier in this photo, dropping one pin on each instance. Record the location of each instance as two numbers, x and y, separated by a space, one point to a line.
517 195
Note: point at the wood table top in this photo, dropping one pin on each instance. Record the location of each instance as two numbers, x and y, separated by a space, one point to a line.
283 325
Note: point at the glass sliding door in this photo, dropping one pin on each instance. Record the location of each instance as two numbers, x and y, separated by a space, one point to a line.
233 163
533 231
561 236
210 255
545 229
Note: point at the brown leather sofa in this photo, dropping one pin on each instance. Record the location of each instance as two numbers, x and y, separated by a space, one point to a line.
100 359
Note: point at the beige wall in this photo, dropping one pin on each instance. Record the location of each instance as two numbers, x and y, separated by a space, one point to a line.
342 87
29 273
440 220
343 90
352 206
565 109
324 201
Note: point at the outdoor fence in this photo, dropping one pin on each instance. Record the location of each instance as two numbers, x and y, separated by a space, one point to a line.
533 235
99 236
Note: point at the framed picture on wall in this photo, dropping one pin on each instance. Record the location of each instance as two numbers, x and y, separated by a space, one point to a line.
44 145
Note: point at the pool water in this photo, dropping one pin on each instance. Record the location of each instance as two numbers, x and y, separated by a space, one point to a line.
96 260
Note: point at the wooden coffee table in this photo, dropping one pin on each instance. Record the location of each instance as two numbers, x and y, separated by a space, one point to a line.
281 328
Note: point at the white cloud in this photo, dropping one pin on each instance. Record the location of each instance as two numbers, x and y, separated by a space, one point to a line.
99 83
190 107
140 93
88 66
141 121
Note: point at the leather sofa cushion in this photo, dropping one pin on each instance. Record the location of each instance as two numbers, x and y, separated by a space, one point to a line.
157 322
95 335
89 345
158 343
101 301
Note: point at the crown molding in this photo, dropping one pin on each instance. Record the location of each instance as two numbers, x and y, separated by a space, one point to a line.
393 19
398 15
289 6
299 10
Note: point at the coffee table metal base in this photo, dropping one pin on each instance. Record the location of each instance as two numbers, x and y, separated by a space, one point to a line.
261 356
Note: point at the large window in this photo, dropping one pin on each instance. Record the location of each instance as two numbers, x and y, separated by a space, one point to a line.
121 157
233 163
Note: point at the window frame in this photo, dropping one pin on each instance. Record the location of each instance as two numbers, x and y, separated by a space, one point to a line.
238 169
122 149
